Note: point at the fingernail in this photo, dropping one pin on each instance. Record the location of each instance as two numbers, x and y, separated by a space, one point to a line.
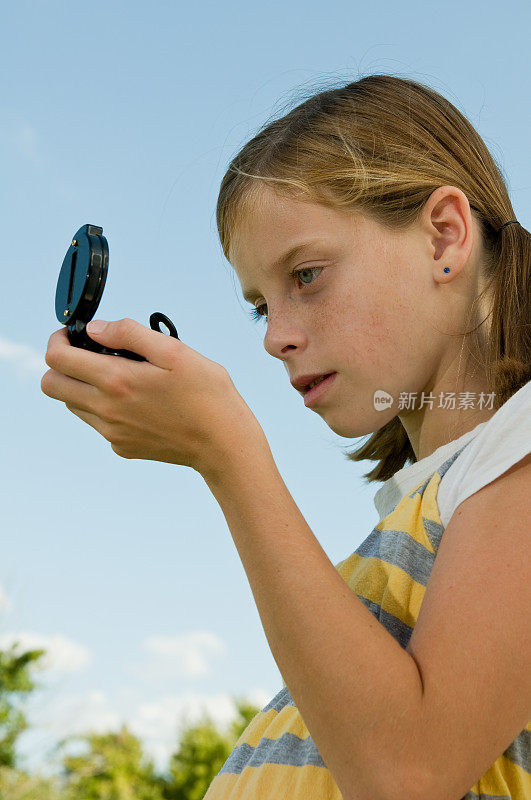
96 326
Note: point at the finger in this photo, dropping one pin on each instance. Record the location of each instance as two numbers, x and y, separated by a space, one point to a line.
104 428
157 348
95 369
62 387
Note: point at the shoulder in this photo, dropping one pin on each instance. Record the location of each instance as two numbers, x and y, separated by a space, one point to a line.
502 442
472 639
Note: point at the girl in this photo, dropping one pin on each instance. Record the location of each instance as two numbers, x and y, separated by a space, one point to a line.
372 230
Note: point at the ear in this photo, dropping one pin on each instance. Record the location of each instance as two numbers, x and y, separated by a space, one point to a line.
451 231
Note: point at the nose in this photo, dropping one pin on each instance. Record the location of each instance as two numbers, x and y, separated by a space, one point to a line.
282 337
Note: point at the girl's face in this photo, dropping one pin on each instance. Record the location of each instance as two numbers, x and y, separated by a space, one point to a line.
374 306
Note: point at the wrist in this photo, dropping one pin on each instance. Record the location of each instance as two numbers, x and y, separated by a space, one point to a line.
238 435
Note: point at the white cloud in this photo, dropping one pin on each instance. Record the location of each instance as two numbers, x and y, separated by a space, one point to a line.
54 716
158 724
78 714
62 654
185 654
22 356
164 718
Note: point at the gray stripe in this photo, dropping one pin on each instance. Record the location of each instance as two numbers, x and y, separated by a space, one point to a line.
291 750
399 549
288 750
519 751
399 630
444 467
279 701
396 548
483 796
434 532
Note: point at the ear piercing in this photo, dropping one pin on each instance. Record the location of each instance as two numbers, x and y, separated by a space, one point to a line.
446 269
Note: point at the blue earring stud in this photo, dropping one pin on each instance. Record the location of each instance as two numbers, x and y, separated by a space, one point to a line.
447 269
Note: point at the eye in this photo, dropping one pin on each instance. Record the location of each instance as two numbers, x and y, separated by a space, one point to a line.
257 313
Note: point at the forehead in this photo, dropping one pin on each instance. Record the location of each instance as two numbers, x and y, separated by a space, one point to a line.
270 222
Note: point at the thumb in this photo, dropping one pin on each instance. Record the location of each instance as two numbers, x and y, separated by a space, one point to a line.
96 326
128 334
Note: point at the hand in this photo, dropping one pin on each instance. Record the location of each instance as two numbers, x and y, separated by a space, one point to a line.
178 406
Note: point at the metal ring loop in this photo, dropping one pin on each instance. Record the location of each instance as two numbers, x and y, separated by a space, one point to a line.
157 317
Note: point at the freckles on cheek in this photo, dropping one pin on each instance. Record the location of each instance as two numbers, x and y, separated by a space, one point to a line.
379 338
379 328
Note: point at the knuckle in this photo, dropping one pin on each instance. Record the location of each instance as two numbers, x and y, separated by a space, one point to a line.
120 450
222 374
50 357
125 326
50 339
107 414
106 428
44 382
172 357
115 386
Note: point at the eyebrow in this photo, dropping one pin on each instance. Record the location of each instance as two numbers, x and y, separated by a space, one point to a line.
284 259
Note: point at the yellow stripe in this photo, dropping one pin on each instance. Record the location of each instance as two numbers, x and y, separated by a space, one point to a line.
413 510
275 781
430 508
386 584
397 593
315 783
504 778
273 724
407 518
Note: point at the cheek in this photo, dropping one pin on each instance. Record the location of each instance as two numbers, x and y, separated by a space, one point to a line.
366 324
376 333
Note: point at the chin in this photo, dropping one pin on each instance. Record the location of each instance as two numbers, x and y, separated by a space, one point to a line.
353 429
348 430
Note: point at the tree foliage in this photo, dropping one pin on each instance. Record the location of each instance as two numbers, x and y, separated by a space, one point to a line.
202 751
18 785
112 768
15 685
111 765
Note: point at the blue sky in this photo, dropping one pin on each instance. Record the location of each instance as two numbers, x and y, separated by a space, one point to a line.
126 115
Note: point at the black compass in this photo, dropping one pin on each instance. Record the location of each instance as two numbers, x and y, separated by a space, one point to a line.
80 287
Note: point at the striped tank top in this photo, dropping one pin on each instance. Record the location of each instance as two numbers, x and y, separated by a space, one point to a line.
275 758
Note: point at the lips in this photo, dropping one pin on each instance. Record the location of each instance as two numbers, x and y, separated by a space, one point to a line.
320 390
303 381
316 381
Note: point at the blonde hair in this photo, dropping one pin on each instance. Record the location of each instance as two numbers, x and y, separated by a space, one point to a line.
383 144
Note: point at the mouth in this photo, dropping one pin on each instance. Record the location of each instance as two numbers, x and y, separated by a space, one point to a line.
316 382
318 389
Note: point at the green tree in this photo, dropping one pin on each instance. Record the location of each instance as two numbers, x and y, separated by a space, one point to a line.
202 751
17 785
15 685
113 768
